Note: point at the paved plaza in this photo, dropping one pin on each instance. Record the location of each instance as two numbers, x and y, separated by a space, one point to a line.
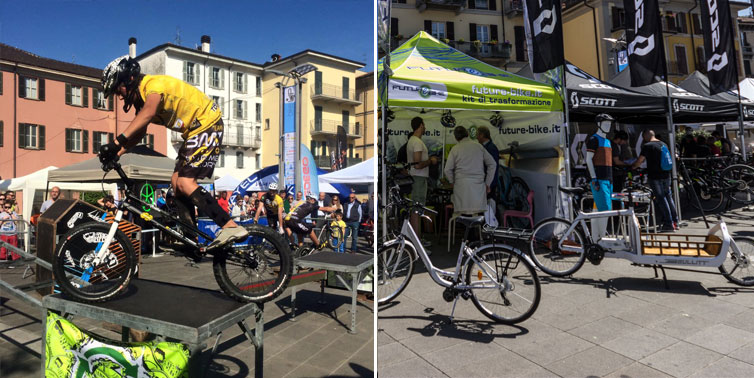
316 344
611 320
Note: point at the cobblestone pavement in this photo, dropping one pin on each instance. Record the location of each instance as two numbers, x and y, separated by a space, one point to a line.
611 320
317 344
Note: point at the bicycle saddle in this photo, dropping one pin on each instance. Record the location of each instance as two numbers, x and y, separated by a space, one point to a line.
572 190
469 220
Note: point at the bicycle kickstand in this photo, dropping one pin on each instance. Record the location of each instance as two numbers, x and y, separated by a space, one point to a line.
452 311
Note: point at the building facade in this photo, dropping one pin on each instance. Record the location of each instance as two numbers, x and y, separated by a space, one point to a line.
235 85
329 99
746 34
364 147
53 113
594 36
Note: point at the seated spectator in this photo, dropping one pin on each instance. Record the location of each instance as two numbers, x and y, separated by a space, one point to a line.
8 230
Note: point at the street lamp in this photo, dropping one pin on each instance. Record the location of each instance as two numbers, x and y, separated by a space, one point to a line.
296 73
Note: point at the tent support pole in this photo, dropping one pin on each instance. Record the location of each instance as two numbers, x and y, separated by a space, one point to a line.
671 130
566 141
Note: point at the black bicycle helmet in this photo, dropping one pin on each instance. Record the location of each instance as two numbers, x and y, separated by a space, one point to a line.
123 70
447 119
604 117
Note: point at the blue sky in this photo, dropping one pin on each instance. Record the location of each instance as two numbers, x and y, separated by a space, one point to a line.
93 32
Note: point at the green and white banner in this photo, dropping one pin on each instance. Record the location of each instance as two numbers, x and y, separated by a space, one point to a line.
71 352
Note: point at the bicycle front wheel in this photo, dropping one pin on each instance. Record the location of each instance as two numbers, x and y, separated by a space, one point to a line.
395 267
549 254
738 268
504 286
258 272
741 180
74 269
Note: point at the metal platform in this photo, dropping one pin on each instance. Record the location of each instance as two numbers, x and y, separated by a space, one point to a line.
187 314
355 265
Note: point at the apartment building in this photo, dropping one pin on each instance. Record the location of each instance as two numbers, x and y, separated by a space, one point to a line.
235 85
591 27
746 34
489 30
364 147
329 99
53 113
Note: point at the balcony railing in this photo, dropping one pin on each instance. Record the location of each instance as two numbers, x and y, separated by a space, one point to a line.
244 140
325 161
454 5
484 50
334 93
326 126
514 6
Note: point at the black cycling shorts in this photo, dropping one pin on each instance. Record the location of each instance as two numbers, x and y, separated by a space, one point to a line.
199 153
272 221
300 228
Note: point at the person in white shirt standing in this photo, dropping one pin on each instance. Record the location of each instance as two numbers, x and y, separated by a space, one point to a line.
471 169
416 152
54 195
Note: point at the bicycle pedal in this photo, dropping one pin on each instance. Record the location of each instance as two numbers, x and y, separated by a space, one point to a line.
466 294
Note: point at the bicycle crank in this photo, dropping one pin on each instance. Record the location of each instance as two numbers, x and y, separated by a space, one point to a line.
595 253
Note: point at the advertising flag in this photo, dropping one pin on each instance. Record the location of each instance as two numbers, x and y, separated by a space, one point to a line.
717 29
309 177
383 24
545 31
646 52
289 135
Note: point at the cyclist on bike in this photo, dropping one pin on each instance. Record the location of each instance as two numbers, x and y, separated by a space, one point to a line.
273 207
295 221
170 102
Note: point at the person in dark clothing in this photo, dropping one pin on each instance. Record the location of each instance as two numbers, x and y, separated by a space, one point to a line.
702 150
483 136
659 180
622 159
352 216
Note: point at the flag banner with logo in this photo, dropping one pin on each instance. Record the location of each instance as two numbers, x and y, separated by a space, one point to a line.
383 24
289 135
545 29
646 51
430 74
309 176
717 28
71 352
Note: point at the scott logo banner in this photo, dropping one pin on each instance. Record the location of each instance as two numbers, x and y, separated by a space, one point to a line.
544 22
646 56
717 29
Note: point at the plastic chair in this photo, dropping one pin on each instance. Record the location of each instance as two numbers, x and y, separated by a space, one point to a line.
521 214
452 227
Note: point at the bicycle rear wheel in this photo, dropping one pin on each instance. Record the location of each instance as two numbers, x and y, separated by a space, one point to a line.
545 251
710 198
394 270
738 268
258 272
517 200
741 178
505 287
73 269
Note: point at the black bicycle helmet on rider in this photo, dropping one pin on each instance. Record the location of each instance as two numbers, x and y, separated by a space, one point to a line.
126 71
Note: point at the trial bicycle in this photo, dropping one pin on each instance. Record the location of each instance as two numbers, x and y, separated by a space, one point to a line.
328 235
500 280
96 260
559 247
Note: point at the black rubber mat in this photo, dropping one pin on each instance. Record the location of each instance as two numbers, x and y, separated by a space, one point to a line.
345 259
183 305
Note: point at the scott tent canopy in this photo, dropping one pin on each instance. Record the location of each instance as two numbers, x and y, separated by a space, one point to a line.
427 73
698 83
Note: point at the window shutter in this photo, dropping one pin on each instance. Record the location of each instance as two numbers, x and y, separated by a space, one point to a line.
697 24
68 94
615 13
222 79
68 140
41 141
85 96
492 4
472 4
518 32
393 26
95 96
41 83
197 73
185 71
493 32
110 103
472 32
245 109
1 133
109 137
21 135
21 87
85 142
245 86
451 35
428 26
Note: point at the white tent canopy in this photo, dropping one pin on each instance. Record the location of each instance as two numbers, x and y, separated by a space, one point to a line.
226 182
362 173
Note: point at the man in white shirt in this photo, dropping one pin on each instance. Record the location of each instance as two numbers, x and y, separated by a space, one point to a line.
471 169
54 195
416 152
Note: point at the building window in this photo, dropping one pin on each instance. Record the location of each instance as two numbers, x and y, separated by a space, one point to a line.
619 18
481 4
239 82
313 147
239 135
76 95
191 73
216 79
239 159
521 49
148 140
356 128
258 134
266 123
258 162
259 86
220 102
241 109
100 138
346 87
350 150
258 109
99 100
680 57
318 82
31 136
438 30
483 35
696 23
29 87
76 140
221 159
345 116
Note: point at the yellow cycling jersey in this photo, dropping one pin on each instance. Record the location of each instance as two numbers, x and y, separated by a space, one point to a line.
183 108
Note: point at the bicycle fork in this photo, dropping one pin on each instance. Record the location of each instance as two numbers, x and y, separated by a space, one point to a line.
103 246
